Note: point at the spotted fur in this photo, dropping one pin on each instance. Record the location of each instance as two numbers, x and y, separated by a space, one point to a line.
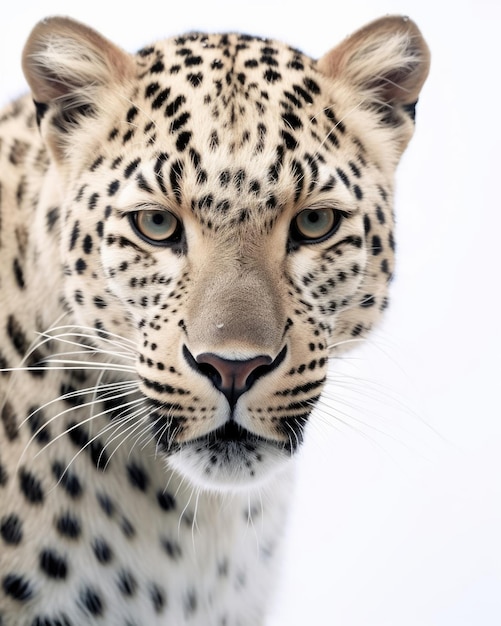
186 236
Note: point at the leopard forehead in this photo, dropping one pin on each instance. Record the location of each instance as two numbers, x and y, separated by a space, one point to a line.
233 128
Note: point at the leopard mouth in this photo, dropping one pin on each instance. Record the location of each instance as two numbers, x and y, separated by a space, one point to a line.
232 435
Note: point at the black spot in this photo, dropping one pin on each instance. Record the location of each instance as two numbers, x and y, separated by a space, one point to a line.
113 187
131 167
298 173
131 114
377 246
53 565
151 89
290 142
342 175
31 487
18 273
367 224
80 266
192 60
269 60
9 419
17 336
160 99
137 477
292 121
11 529
271 76
357 330
166 501
106 503
358 192
75 232
17 587
39 429
143 184
368 301
96 163
87 244
91 602
183 140
355 169
311 85
157 596
174 106
93 201
67 480
98 455
68 526
157 68
102 551
4 477
172 549
195 79
100 302
52 217
127 583
380 214
303 94
175 177
77 434
391 241
190 603
127 528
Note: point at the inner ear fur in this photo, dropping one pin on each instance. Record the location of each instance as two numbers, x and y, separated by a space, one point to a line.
388 61
62 57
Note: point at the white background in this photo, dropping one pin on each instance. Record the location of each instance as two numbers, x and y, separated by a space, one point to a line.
397 515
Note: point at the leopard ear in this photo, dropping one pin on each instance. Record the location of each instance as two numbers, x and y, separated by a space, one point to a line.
387 63
69 67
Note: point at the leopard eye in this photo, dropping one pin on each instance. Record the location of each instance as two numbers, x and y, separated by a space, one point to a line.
158 227
314 225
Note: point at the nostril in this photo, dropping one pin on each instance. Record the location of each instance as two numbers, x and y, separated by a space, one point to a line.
233 377
210 371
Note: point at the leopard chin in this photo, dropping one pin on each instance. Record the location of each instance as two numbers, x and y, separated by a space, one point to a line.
230 459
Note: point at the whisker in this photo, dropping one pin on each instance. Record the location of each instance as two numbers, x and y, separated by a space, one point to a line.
137 420
78 425
90 333
109 387
69 410
90 365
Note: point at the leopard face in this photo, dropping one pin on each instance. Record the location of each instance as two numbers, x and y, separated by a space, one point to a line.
227 211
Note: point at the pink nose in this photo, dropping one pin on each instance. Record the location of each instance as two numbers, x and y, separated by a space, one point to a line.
233 378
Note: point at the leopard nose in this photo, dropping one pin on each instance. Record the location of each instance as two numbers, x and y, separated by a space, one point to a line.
233 377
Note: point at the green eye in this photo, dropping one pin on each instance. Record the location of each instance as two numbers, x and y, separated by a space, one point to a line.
313 225
157 227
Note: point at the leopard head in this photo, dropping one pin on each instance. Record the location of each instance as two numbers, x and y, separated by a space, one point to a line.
228 209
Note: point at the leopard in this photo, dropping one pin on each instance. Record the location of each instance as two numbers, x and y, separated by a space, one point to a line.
189 235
